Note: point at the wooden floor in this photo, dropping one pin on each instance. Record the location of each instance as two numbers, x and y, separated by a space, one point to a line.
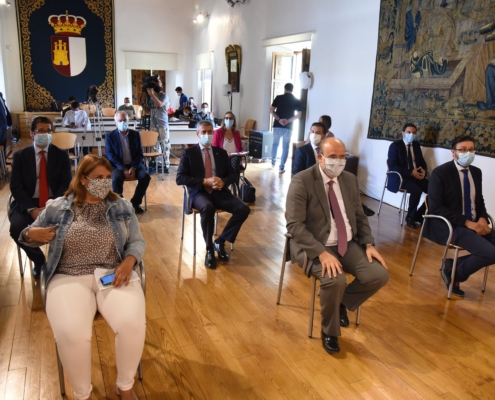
219 334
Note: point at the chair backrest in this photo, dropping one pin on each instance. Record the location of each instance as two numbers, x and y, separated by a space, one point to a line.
108 111
148 138
301 143
250 125
64 140
137 110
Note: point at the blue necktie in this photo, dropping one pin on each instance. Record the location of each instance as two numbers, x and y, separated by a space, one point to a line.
467 195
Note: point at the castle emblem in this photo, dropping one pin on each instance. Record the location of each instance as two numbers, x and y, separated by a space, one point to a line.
68 47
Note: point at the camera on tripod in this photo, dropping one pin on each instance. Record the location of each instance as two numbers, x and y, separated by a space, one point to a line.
91 94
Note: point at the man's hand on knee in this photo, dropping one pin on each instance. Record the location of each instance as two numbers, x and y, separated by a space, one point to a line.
371 253
329 264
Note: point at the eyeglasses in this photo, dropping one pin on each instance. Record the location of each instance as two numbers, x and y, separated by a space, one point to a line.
464 151
43 132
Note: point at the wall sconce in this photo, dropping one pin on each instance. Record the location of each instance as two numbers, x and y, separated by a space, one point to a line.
200 17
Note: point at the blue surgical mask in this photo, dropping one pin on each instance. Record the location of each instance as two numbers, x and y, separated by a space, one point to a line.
42 139
229 123
409 137
206 140
123 126
466 159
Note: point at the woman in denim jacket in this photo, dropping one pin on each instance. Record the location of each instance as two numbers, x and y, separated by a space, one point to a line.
92 227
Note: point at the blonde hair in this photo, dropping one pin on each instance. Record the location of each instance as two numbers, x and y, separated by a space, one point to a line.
87 165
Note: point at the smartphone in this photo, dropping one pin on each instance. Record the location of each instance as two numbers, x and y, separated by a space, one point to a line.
107 279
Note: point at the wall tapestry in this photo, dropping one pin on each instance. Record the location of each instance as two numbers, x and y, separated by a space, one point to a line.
435 67
66 47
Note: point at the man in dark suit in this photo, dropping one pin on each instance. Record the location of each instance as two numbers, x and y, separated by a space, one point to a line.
39 172
328 225
412 167
306 155
456 193
207 172
125 152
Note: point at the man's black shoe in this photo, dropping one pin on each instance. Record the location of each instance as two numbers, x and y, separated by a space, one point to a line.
220 249
447 278
138 209
210 260
368 211
330 343
344 320
419 220
165 170
410 222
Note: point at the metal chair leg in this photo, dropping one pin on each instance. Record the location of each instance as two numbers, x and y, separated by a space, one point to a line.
19 256
454 268
383 194
312 308
417 250
282 271
145 202
216 224
183 218
483 287
194 231
358 315
402 209
140 370
60 373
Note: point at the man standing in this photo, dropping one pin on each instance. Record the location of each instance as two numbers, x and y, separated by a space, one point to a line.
5 121
125 153
39 172
127 107
207 172
159 118
456 193
282 109
76 118
306 155
328 225
405 157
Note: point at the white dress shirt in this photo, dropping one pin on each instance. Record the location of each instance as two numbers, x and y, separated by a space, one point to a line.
460 168
412 153
332 238
213 167
80 118
314 150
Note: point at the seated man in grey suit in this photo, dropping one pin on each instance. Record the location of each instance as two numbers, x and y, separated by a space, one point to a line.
327 222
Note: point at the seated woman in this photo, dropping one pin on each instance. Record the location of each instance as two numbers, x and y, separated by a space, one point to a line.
228 138
92 227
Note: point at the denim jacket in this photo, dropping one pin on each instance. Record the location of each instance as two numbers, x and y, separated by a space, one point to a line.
120 216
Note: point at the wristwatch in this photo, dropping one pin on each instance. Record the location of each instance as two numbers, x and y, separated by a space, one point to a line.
368 244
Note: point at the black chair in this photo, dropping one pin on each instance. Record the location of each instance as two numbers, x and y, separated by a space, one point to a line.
19 255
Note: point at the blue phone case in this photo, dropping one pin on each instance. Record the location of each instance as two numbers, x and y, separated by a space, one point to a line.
107 279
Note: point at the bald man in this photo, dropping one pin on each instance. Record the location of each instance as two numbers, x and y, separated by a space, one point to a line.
327 223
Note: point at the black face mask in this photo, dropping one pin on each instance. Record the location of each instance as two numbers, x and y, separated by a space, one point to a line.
157 89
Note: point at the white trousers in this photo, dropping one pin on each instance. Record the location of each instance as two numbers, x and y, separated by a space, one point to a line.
71 306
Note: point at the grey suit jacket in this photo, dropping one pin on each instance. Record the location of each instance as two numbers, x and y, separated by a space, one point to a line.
308 214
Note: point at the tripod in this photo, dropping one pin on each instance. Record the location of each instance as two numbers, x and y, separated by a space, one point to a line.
97 122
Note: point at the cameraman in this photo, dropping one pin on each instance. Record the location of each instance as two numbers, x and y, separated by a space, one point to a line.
159 118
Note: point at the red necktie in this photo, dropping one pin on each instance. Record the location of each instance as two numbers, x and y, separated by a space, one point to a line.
43 180
208 169
339 220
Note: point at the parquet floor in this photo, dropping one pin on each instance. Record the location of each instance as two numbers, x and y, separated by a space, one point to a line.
219 334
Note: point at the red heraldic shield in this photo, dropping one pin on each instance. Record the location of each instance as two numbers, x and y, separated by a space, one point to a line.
68 54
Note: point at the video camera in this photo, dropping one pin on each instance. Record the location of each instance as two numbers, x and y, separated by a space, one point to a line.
150 82
91 94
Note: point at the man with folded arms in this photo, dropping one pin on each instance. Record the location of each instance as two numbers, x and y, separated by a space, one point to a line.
456 193
207 172
328 225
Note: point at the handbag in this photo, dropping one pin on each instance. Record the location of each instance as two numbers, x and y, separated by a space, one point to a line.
247 191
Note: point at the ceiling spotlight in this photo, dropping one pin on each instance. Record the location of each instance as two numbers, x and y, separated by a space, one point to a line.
200 17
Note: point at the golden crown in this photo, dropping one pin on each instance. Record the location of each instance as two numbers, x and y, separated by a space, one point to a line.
65 24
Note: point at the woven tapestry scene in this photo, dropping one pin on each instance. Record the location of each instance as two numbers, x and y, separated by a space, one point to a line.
435 67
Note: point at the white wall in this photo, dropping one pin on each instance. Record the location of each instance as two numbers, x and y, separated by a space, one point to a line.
342 61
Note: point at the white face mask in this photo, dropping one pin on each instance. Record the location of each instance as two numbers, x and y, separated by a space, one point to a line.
204 110
315 139
334 167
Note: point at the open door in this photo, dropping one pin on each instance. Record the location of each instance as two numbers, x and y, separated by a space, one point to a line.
283 71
